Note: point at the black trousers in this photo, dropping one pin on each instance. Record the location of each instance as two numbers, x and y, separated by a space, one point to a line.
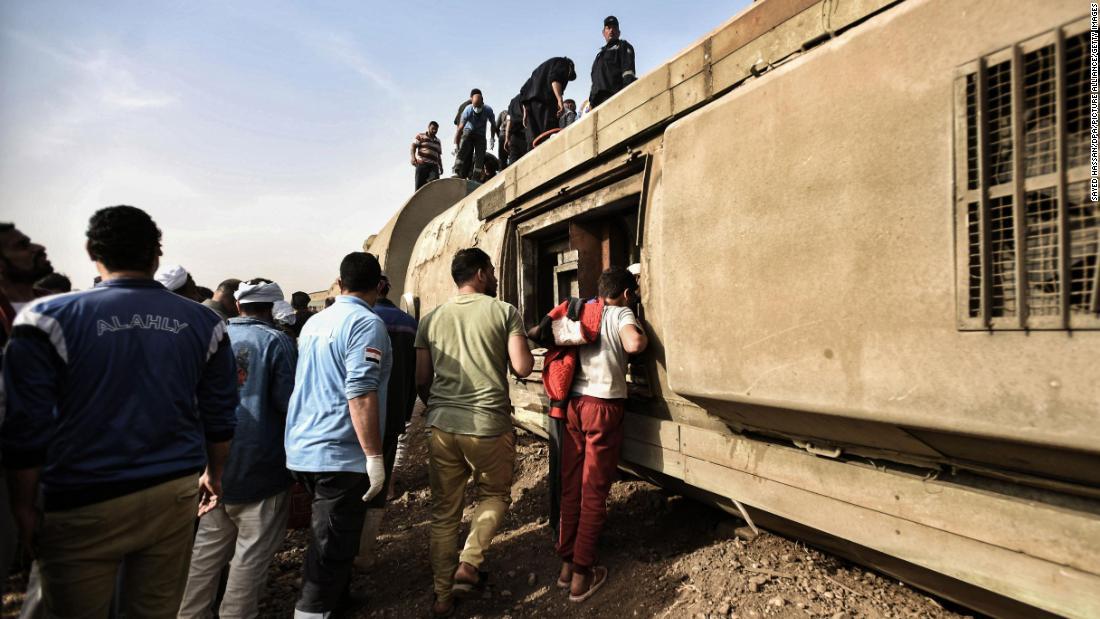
425 173
502 154
337 522
471 155
557 433
517 146
541 117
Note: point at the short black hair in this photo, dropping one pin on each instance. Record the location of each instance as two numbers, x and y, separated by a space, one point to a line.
384 286
433 124
123 238
571 101
360 272
476 91
230 285
6 227
204 292
299 300
54 282
467 262
614 281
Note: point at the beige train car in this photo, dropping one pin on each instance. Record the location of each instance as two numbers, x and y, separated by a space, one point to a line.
869 270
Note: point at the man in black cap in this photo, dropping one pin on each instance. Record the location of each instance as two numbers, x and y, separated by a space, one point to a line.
613 68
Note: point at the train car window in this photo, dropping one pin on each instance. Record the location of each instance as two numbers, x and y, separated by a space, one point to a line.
1027 219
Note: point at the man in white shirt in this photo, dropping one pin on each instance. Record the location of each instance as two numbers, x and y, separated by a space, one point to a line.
594 434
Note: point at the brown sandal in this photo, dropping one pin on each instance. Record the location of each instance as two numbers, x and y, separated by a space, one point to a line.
599 577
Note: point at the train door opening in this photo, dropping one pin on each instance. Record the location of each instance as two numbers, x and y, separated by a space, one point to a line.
566 260
562 254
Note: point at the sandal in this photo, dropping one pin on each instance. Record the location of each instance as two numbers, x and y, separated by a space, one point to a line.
565 584
465 589
442 615
599 577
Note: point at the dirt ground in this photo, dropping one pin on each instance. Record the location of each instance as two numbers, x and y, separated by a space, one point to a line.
668 557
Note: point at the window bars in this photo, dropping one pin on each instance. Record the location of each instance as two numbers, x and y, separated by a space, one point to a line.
1028 235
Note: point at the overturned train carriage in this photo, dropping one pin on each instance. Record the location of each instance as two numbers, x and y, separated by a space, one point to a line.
869 270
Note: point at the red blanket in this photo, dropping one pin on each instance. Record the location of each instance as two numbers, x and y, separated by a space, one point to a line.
568 325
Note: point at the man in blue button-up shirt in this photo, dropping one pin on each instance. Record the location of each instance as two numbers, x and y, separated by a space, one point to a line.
334 429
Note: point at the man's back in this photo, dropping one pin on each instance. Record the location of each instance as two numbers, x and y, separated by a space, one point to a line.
265 358
138 376
602 369
468 341
343 353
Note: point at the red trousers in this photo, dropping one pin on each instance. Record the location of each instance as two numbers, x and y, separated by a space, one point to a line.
589 464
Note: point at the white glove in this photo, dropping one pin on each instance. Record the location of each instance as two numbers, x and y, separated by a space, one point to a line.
376 472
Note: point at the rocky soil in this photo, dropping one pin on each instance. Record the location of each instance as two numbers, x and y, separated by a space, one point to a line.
668 557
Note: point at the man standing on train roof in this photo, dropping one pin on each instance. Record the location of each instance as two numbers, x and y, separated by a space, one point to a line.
541 96
613 68
515 137
334 429
427 155
470 136
502 145
247 526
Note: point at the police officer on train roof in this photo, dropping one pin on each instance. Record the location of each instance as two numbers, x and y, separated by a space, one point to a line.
613 68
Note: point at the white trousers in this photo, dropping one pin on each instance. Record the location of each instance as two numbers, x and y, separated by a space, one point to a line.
246 536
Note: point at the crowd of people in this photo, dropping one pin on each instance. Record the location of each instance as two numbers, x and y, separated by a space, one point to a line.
533 115
151 434
153 429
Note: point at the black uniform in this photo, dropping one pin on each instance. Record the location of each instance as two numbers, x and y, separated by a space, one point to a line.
612 70
517 138
538 95
502 153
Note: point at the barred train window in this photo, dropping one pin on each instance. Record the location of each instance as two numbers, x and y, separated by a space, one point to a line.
1028 233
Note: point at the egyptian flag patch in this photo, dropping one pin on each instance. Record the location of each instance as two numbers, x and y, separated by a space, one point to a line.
372 355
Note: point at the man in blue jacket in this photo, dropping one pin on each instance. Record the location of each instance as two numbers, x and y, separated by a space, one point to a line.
118 398
334 429
250 522
400 399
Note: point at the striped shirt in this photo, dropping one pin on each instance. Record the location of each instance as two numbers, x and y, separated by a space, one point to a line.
428 149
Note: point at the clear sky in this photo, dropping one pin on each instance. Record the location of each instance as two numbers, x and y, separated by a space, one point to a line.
267 138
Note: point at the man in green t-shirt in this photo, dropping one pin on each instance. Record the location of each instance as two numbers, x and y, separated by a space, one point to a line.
464 349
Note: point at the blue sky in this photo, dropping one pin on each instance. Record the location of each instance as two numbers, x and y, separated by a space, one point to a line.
266 138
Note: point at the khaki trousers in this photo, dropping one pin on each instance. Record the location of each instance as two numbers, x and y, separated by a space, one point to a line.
80 551
245 536
453 459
